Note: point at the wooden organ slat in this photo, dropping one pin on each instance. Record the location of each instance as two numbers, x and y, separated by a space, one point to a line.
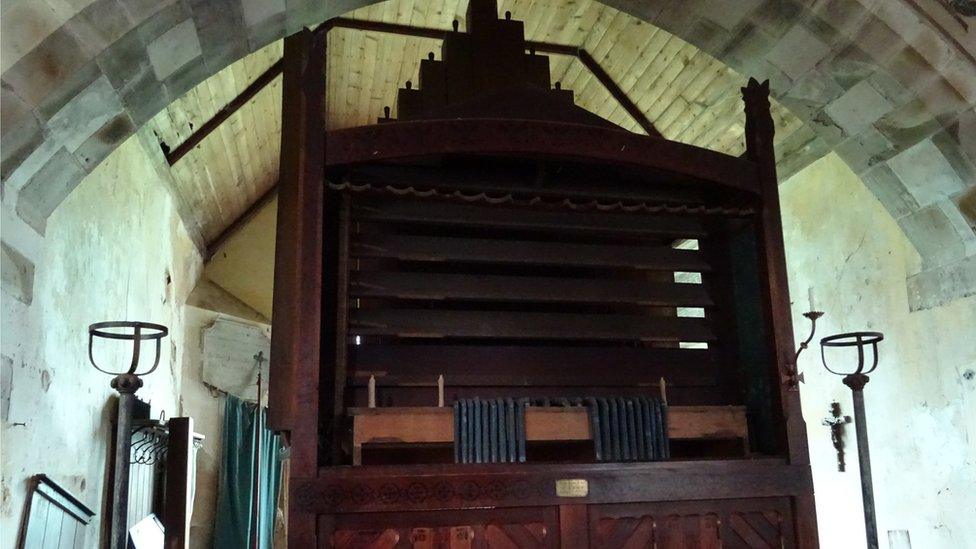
440 286
524 252
569 222
509 359
526 325
407 373
501 365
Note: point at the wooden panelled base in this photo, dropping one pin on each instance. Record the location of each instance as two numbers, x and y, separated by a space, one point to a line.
762 523
670 505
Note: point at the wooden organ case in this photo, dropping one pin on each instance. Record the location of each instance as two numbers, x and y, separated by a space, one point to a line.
535 255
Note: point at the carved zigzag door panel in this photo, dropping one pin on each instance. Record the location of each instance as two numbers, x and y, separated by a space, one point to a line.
759 529
669 532
730 524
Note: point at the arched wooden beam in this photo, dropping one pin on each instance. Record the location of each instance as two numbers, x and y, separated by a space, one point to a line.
529 138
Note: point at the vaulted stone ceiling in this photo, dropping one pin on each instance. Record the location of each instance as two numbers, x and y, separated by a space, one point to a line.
888 84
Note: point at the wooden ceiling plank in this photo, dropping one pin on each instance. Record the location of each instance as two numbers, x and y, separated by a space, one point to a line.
558 64
201 132
725 108
732 140
598 27
369 67
546 14
377 95
708 103
246 149
575 76
730 110
384 87
191 175
578 27
235 149
644 59
243 179
221 183
624 57
672 91
662 70
598 42
342 51
221 188
357 73
649 102
638 82
622 118
686 105
269 147
255 117
346 52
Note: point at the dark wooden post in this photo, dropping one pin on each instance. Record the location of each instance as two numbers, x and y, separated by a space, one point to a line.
295 341
574 526
179 465
759 149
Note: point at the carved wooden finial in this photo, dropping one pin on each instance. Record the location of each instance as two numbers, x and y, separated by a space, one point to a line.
759 123
386 112
409 85
508 16
559 85
756 94
455 24
430 55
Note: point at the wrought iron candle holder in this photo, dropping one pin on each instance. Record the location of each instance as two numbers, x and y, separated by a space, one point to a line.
126 382
793 377
856 380
812 316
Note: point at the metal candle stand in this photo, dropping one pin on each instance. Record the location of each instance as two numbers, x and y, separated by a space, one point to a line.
126 383
856 380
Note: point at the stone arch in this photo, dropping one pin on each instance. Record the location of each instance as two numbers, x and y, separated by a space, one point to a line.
889 86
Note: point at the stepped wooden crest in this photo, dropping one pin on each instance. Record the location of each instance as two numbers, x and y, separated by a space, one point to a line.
492 232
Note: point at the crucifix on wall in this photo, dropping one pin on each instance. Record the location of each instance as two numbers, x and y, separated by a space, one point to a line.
836 423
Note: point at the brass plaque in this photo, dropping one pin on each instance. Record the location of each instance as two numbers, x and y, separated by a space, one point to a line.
572 488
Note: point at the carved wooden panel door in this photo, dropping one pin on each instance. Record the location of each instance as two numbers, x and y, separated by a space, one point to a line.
725 524
532 528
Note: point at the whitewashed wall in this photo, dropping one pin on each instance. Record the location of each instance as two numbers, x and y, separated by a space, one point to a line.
115 249
921 402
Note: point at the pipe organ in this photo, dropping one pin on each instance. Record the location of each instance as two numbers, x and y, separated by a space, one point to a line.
502 321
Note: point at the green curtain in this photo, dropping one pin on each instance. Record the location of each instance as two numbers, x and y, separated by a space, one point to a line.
234 526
